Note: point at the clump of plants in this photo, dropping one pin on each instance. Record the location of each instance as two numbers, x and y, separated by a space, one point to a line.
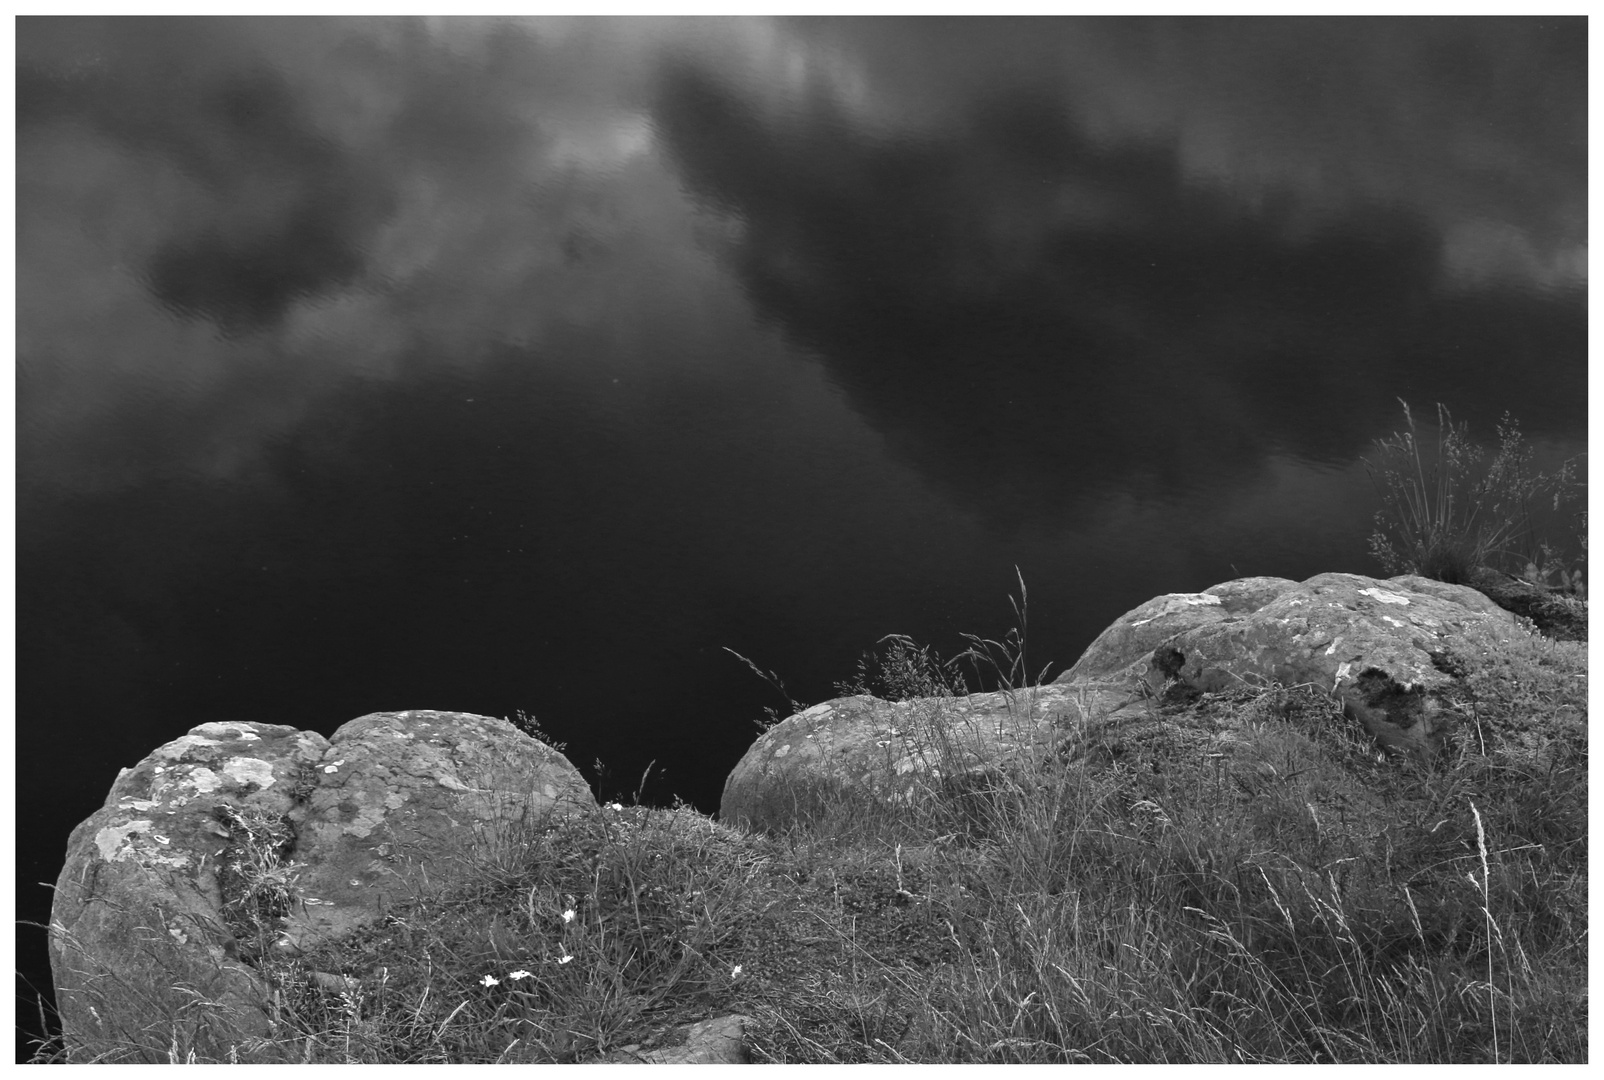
898 668
589 933
1447 510
254 874
1548 570
529 725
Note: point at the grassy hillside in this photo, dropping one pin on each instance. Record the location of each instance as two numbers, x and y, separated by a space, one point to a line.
1241 878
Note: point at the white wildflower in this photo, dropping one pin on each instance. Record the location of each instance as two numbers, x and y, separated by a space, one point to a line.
735 973
490 980
519 974
568 916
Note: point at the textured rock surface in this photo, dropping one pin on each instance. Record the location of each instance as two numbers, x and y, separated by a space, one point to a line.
1384 648
864 750
400 795
1140 631
719 1041
146 923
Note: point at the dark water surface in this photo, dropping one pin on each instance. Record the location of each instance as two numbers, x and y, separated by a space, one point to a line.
497 366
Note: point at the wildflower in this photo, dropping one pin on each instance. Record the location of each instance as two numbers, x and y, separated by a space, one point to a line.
615 807
564 958
735 972
519 974
490 980
568 916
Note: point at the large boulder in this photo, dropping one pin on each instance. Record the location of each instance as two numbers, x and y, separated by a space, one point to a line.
860 751
1272 628
1384 649
240 837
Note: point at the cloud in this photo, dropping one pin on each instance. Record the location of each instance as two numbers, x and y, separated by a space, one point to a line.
975 224
225 220
1447 120
1035 306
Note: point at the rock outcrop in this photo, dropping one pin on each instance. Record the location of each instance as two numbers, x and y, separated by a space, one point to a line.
1384 648
1324 630
240 837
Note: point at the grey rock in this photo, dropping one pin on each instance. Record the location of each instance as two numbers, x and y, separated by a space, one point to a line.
1139 631
865 752
147 931
1328 631
719 1041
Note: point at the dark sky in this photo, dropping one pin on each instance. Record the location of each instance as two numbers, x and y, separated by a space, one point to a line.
1193 219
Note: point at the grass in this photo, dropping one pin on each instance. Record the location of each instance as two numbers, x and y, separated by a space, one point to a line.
1445 516
1236 878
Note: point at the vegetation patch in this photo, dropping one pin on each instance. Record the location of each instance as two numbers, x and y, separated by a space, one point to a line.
1448 510
255 876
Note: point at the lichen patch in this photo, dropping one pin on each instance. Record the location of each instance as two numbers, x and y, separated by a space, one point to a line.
244 770
113 839
204 781
1385 597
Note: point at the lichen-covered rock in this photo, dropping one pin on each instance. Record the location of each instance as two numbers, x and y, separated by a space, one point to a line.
1327 631
237 828
862 751
1385 648
1138 632
401 797
1324 631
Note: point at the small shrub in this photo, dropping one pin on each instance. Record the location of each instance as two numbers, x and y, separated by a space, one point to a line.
1553 573
526 723
898 669
1443 514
